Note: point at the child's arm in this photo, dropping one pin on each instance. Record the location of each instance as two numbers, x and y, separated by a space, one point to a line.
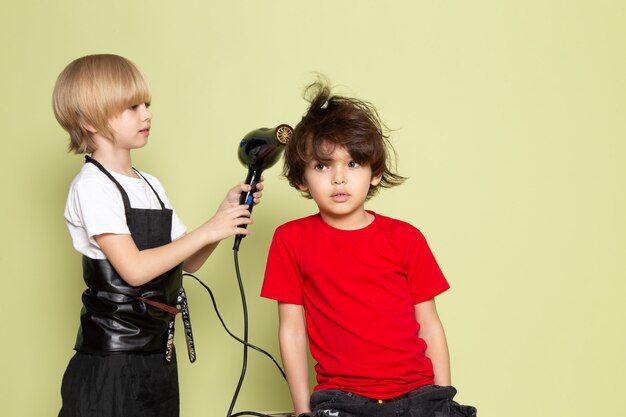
138 267
431 330
293 350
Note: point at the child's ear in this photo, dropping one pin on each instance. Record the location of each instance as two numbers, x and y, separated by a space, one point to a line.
89 128
303 187
376 180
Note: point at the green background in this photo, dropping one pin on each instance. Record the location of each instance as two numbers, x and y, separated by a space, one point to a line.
509 118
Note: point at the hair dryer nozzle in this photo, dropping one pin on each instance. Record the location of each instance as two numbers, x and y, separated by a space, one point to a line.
261 148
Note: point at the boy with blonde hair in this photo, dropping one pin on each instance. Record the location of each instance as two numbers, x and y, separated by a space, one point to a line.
133 245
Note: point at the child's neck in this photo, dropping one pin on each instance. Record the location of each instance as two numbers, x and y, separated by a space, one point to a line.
353 221
115 160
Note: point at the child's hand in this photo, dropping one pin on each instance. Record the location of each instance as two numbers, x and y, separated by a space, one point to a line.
234 194
227 222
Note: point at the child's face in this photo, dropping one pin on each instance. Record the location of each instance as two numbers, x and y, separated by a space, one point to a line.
132 127
339 187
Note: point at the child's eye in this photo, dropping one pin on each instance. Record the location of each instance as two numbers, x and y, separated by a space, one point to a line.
136 106
353 164
148 104
319 166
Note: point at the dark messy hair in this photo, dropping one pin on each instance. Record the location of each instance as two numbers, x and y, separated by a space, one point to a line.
339 121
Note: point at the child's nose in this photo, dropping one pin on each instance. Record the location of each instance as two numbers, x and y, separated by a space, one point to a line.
339 177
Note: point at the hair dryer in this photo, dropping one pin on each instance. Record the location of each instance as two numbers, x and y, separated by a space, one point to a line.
259 150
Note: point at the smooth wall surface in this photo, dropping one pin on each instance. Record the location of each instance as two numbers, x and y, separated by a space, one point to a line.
508 117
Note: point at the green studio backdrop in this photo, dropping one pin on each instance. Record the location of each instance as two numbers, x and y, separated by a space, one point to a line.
507 117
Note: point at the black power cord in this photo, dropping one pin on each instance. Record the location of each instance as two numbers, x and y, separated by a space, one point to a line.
243 341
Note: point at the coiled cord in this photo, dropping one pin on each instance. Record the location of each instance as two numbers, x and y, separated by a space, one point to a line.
243 341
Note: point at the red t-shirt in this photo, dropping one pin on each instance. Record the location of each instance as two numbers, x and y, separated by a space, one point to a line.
358 289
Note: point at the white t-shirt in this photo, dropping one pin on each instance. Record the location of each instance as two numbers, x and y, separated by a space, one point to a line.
94 206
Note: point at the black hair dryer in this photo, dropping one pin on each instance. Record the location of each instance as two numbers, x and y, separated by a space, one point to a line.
259 150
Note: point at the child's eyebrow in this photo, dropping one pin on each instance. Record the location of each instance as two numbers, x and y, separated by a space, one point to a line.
321 160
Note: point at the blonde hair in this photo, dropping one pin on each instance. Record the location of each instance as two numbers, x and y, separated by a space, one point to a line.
90 91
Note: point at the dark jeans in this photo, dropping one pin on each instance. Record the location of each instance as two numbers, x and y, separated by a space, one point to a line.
427 401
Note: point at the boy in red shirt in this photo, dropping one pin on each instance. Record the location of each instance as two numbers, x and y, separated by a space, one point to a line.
358 286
